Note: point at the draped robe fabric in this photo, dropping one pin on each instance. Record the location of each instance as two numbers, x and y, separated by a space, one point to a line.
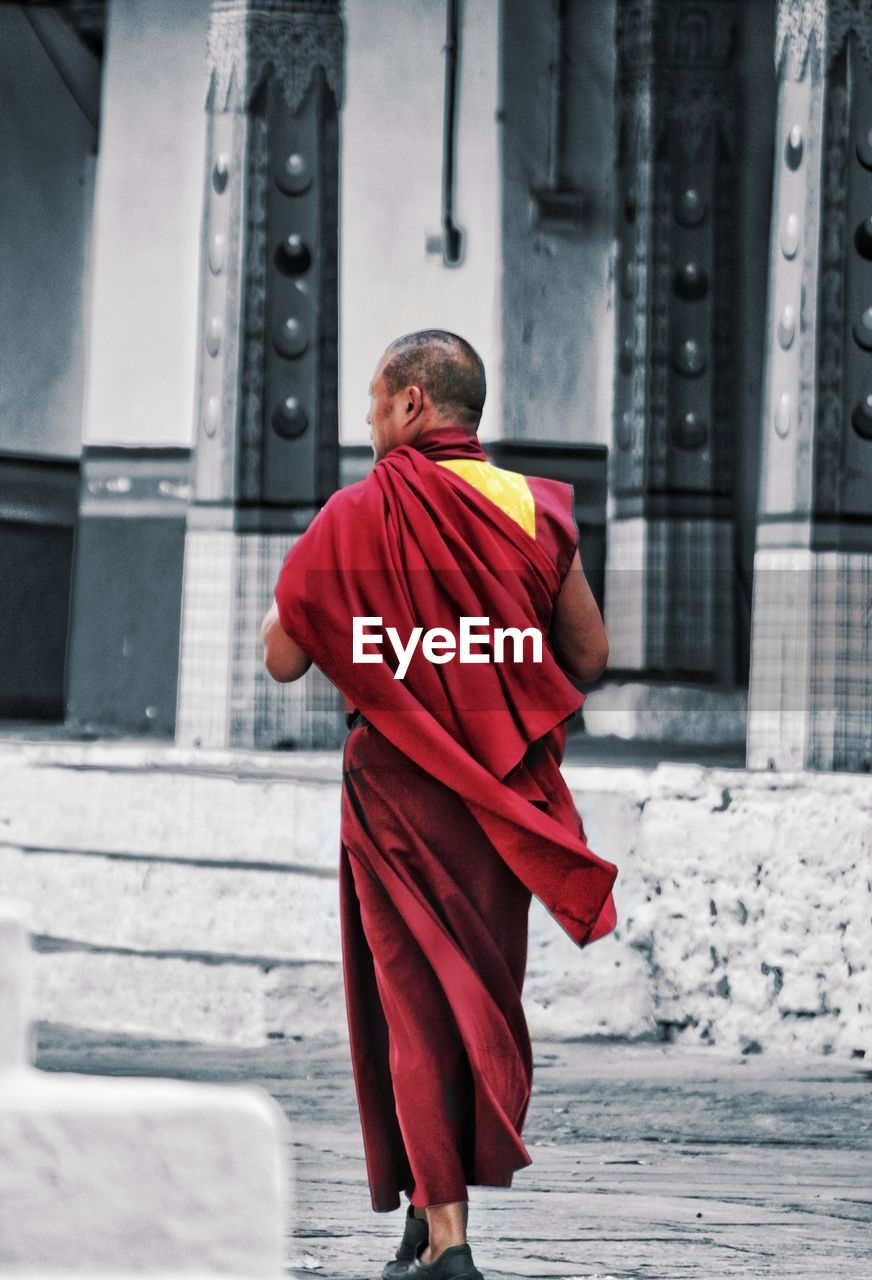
454 811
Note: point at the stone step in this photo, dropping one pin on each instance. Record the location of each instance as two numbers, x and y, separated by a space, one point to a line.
149 904
193 895
222 1000
212 999
248 807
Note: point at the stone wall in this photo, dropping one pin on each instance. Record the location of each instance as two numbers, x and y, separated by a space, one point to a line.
193 895
753 907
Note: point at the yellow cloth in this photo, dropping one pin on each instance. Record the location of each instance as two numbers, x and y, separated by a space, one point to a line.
507 489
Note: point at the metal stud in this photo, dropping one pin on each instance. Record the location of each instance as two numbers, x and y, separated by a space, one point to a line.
790 236
690 358
690 282
691 207
213 336
861 418
793 148
783 413
292 256
689 431
290 338
624 431
628 280
863 239
217 249
862 330
295 175
289 419
212 416
625 359
787 327
864 149
221 172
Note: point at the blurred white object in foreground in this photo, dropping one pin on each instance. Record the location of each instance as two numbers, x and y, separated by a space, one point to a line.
126 1177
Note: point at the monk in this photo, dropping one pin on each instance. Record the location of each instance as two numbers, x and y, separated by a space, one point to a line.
446 599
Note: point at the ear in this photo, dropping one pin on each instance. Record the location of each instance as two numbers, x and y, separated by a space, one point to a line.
412 402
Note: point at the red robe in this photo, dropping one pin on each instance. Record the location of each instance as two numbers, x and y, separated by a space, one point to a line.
454 809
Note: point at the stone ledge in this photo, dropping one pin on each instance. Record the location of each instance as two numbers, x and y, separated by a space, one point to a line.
169 812
220 1002
324 766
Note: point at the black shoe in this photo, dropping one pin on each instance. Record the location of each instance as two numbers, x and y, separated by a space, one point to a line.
415 1238
453 1263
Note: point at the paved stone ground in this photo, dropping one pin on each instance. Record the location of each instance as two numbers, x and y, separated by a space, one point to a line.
660 1161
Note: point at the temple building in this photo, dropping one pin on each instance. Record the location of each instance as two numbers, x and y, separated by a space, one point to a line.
653 218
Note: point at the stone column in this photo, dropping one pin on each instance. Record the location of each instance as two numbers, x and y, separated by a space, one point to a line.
669 569
267 444
810 698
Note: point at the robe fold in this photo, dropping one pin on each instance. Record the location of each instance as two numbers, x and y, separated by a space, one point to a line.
454 810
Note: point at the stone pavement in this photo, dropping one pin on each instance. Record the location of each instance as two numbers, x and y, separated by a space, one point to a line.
661 1161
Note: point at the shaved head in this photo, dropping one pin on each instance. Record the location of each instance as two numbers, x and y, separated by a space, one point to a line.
446 367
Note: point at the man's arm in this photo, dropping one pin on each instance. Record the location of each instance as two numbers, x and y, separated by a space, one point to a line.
577 632
282 656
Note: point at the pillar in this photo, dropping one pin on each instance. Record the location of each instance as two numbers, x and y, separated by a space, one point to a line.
669 569
266 444
810 697
123 649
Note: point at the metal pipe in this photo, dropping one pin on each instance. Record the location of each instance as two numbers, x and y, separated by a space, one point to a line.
452 236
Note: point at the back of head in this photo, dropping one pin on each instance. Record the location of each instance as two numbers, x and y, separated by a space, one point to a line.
445 366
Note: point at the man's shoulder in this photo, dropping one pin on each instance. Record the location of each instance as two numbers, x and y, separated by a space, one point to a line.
553 494
351 497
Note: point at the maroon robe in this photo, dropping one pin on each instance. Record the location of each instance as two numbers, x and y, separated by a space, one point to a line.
454 811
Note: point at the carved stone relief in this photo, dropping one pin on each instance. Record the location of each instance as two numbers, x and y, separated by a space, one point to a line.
288 40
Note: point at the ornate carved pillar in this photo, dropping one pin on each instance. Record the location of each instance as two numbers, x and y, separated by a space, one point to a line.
267 445
669 571
810 698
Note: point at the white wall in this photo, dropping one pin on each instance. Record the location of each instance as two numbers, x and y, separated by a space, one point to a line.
149 202
391 191
47 147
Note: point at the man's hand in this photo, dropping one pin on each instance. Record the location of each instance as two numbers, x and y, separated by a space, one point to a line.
282 656
577 632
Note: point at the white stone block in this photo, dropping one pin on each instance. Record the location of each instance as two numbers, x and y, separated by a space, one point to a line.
140 1176
16 1047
